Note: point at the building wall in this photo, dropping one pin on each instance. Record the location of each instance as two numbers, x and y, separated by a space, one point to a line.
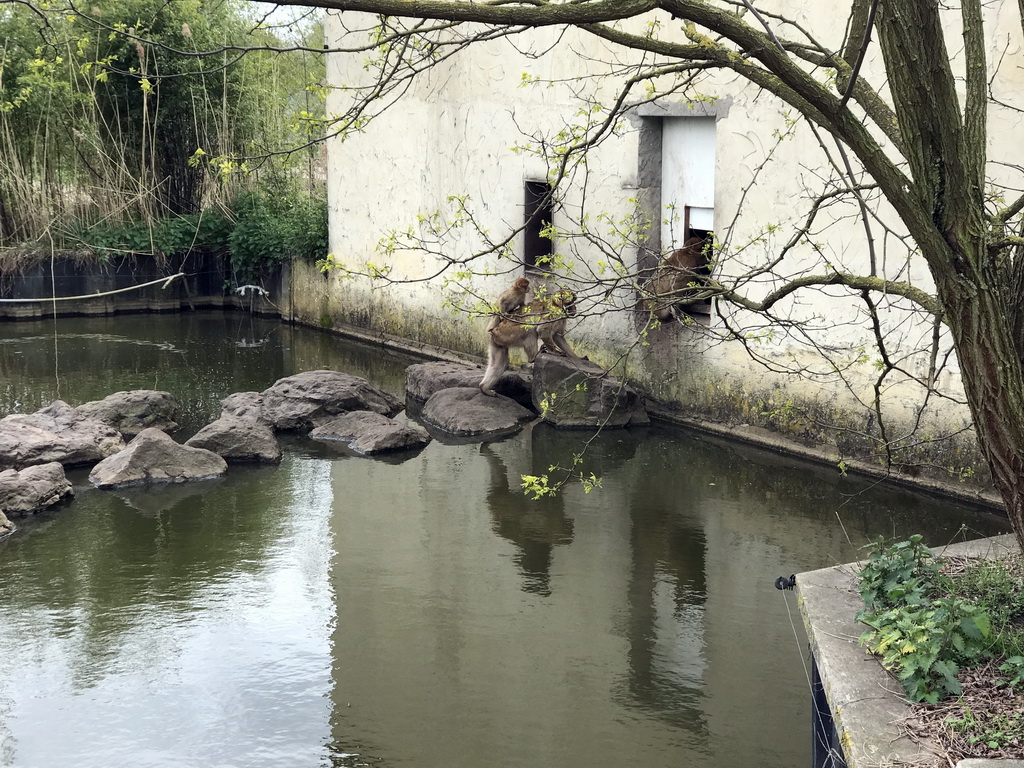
471 126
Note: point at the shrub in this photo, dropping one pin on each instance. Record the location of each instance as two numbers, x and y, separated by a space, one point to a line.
923 639
270 229
261 230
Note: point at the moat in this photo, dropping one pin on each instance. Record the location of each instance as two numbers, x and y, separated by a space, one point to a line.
415 610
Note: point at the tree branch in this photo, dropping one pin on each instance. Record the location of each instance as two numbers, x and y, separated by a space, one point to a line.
976 97
503 12
857 282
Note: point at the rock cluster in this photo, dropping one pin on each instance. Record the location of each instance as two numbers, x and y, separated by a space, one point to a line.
370 433
582 395
32 488
35 448
238 440
154 457
131 412
465 411
424 379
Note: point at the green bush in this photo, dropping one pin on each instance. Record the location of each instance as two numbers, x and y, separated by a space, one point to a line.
270 229
993 585
206 231
900 573
260 231
923 638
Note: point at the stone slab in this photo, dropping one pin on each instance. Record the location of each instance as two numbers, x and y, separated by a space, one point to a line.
867 704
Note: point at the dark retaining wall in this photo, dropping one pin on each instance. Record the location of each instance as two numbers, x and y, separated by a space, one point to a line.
206 285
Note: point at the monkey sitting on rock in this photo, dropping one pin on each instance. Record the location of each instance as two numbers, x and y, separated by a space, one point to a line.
543 321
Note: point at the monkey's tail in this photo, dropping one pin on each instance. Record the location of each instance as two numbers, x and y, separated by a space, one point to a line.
497 361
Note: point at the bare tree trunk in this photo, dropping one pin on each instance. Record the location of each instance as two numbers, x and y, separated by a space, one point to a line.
992 375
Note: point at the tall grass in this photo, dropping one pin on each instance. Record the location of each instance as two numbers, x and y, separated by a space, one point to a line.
114 118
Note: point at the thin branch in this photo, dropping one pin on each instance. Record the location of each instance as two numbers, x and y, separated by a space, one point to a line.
860 54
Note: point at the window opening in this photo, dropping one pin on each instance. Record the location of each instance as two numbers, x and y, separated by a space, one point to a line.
688 196
539 212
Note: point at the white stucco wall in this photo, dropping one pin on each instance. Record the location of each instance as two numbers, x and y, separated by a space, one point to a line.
454 133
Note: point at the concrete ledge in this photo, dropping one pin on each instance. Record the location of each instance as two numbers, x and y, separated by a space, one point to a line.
867 704
825 456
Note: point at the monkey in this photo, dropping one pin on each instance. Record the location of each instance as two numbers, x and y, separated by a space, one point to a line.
675 279
543 321
512 299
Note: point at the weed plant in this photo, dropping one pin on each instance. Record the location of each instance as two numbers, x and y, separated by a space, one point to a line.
928 624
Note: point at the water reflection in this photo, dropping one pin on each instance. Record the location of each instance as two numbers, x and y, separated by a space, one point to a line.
535 529
340 610
188 634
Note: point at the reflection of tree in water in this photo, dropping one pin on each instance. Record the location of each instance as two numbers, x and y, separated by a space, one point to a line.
534 527
665 629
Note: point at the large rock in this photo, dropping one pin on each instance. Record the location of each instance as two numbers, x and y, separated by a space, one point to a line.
467 411
307 400
236 440
33 488
133 411
580 394
55 433
246 406
424 379
153 457
368 433
6 526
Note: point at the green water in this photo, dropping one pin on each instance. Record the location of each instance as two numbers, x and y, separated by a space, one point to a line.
418 611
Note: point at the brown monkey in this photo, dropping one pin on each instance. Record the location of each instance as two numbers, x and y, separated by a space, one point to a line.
675 279
511 300
543 321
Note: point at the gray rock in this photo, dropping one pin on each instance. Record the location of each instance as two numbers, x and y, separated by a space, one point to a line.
153 457
424 379
307 400
368 433
135 410
237 440
33 488
247 406
467 411
6 526
581 394
55 433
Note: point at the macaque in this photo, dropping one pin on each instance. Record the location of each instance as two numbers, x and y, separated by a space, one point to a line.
509 302
543 321
675 279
